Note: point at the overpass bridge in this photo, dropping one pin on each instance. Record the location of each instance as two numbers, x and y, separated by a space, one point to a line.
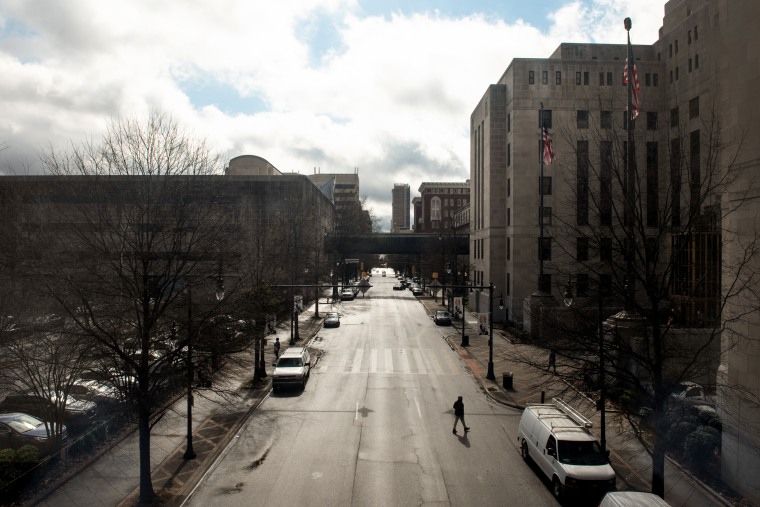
393 243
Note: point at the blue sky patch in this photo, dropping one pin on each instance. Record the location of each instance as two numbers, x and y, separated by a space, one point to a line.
222 95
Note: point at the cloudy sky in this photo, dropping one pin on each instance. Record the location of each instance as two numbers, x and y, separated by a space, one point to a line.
385 86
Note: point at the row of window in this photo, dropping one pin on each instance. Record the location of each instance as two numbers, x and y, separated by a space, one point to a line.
584 78
674 44
693 65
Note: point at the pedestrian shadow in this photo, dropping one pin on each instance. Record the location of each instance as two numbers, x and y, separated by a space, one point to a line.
464 439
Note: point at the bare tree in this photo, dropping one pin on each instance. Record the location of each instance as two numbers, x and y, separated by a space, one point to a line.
647 244
146 227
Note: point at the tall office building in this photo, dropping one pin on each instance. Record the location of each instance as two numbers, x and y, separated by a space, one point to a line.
401 199
698 84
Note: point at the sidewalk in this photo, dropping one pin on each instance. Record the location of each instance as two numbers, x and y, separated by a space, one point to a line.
113 477
629 459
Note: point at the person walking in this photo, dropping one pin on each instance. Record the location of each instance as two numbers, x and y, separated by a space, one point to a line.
459 415
276 348
552 361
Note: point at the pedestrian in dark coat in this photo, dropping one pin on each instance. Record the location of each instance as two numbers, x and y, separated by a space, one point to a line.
277 348
552 361
459 415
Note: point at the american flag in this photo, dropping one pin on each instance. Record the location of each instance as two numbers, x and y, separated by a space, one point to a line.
636 89
548 148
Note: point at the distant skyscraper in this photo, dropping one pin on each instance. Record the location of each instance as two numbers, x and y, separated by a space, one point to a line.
401 202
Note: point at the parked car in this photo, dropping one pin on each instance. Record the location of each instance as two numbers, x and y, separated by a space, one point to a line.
632 499
347 294
76 410
398 286
292 368
417 290
332 319
690 393
18 429
442 318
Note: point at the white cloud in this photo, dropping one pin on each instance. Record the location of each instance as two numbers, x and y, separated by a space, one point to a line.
391 95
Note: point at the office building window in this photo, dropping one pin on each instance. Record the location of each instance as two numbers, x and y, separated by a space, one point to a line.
509 284
671 76
544 249
696 33
653 190
545 283
676 46
696 62
531 77
544 77
509 187
694 108
605 284
585 78
670 49
581 119
581 285
605 249
651 120
647 79
558 77
605 183
674 117
609 79
581 183
577 78
509 248
606 119
654 79
546 121
601 79
509 122
509 154
547 185
689 37
581 249
546 215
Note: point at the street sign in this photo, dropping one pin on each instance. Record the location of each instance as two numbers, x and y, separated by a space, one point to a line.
364 286
435 275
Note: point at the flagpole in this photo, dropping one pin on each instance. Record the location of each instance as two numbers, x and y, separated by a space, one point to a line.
628 183
541 206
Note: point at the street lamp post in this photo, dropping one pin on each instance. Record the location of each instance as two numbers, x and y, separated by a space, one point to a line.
568 299
189 451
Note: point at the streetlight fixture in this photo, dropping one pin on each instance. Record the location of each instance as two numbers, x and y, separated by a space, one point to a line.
189 451
567 297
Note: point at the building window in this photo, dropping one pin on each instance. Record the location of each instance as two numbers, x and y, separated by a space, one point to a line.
509 154
689 64
531 77
670 49
545 283
696 62
676 46
605 283
674 117
653 190
581 285
601 79
651 120
546 216
509 284
696 33
509 248
546 187
606 119
558 77
435 209
546 121
545 77
581 249
689 37
605 249
581 119
581 183
609 79
654 79
585 78
694 108
605 183
676 73
675 181
577 78
509 122
544 249
647 79
671 77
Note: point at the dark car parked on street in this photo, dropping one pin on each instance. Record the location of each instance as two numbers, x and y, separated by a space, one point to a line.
442 318
332 319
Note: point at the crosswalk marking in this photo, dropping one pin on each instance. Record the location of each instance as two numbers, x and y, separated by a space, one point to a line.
413 361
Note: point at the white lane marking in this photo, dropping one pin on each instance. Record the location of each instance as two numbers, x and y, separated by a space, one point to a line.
356 414
388 361
357 366
418 359
419 412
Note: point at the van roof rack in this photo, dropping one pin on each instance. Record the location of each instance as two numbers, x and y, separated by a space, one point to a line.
572 413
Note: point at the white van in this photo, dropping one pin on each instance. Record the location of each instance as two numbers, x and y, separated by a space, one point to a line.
557 438
292 368
632 499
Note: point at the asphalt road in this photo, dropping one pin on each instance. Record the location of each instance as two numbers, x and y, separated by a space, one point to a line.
373 426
